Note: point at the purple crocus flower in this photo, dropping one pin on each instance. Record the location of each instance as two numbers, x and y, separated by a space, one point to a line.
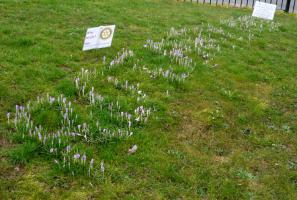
65 116
90 167
39 136
52 100
8 116
68 148
76 156
84 158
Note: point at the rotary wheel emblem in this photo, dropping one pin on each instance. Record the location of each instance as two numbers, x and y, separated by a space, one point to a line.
105 33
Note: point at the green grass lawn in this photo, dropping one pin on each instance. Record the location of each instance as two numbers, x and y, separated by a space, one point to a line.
228 131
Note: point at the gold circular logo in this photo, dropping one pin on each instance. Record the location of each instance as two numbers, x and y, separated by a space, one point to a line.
106 33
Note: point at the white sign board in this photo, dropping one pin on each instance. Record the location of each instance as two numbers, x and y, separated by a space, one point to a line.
264 10
98 37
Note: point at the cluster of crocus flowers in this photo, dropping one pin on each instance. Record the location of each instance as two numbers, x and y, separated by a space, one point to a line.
82 79
243 22
22 119
178 56
95 97
67 112
73 158
57 142
69 132
173 32
166 73
107 134
219 31
120 58
250 23
198 39
134 89
24 123
142 114
85 89
114 108
99 134
206 48
175 46
155 46
184 45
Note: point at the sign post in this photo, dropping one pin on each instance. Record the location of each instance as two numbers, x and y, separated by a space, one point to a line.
264 10
98 37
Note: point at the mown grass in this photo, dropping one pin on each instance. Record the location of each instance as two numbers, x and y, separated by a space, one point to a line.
228 132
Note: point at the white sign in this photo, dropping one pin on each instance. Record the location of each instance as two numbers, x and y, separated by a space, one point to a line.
264 10
98 37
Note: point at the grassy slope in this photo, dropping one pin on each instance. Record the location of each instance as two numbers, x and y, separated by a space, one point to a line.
183 158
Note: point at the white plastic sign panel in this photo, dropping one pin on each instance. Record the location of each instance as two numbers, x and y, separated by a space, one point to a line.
98 37
264 10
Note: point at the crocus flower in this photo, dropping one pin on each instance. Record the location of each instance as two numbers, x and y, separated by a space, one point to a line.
76 156
51 100
90 167
104 60
84 158
39 136
8 116
102 168
68 148
92 162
